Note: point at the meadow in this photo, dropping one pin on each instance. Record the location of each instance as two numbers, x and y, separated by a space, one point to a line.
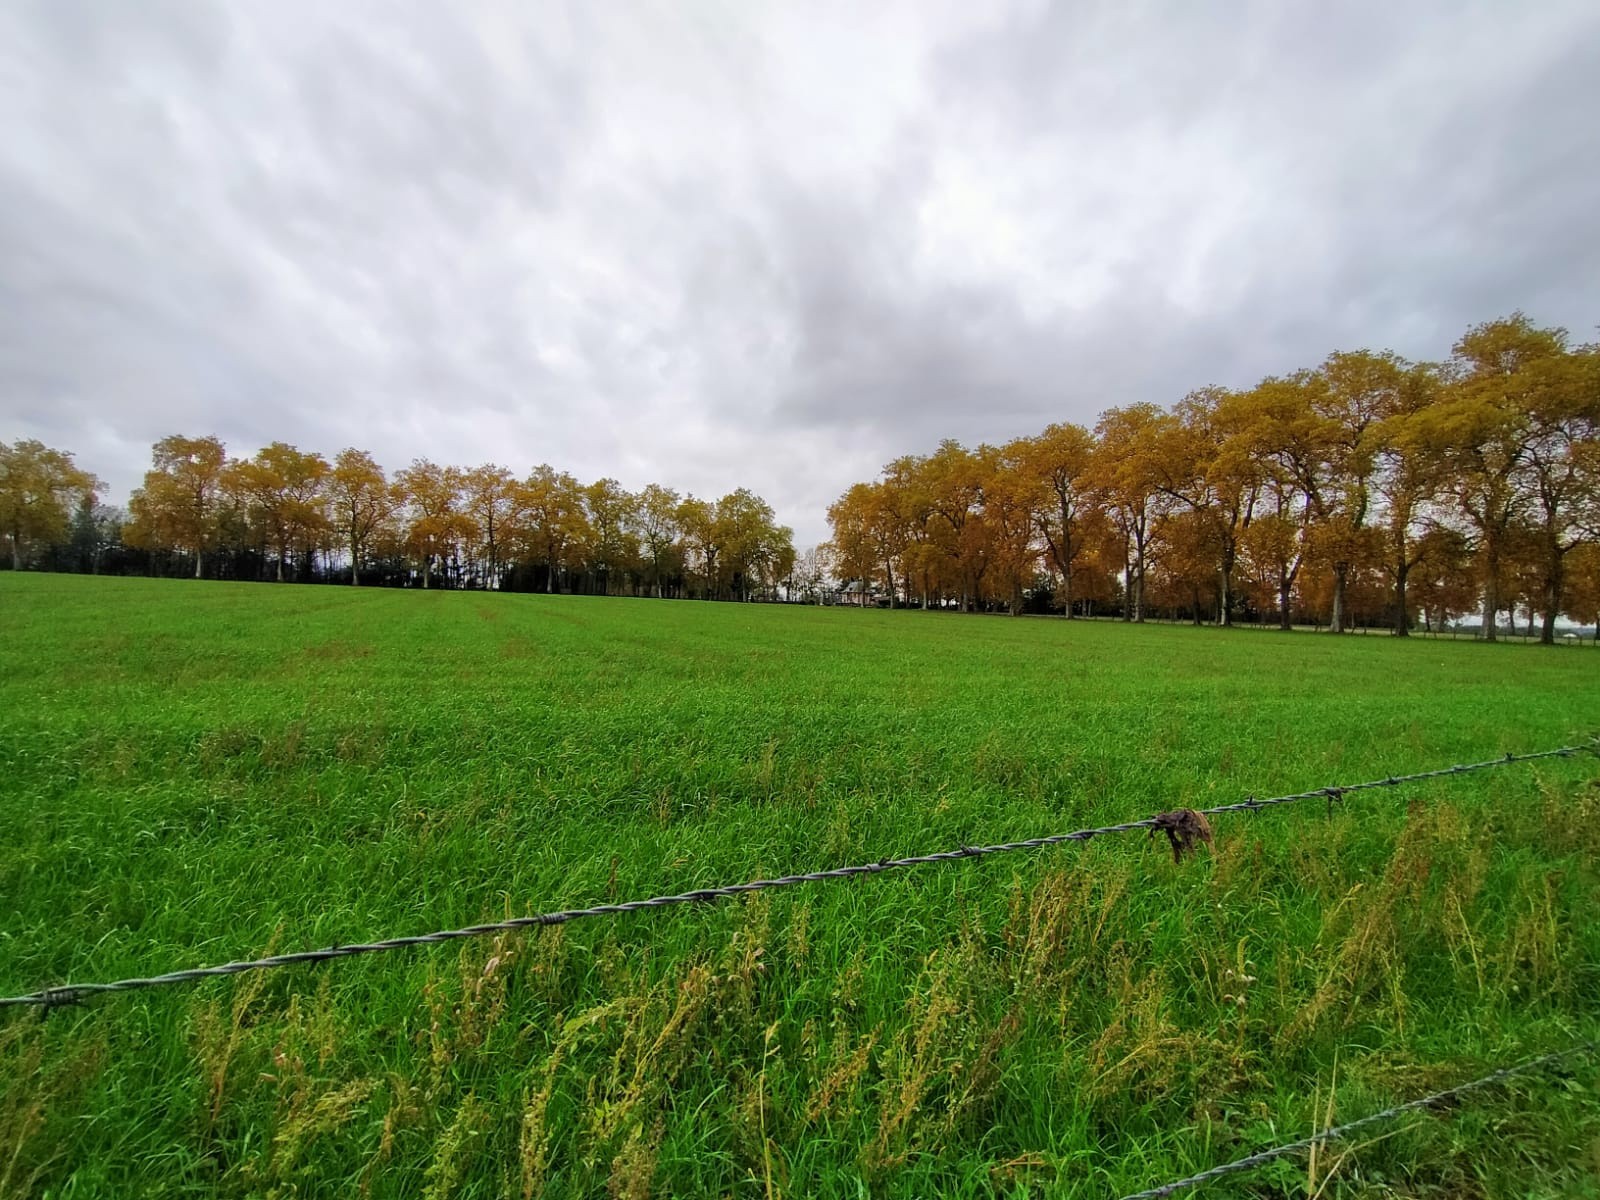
196 772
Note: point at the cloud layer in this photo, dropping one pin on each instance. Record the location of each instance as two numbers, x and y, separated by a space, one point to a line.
747 244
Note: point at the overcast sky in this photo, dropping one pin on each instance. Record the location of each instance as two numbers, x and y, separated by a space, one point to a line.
715 245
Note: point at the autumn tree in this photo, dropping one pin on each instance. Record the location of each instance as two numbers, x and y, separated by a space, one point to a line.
1009 497
952 478
870 533
39 490
281 489
654 521
754 546
612 516
1441 581
1582 594
492 502
1282 423
1203 463
434 523
557 523
178 505
1482 431
1127 481
1059 462
1562 475
703 540
851 519
1359 391
1407 480
361 502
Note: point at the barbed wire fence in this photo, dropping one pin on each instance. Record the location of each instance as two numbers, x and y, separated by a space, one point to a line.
1183 827
1341 1132
1179 826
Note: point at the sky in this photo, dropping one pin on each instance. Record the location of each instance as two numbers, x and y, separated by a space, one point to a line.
716 245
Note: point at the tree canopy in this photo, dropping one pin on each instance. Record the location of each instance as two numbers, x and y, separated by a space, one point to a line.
1402 490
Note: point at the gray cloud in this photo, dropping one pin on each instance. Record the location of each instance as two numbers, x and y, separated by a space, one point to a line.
716 245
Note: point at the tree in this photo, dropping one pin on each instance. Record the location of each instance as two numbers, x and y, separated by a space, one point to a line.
1563 468
952 482
434 523
612 514
1127 481
1482 430
1361 390
1442 582
557 525
655 523
361 503
812 572
1273 555
703 540
39 489
177 507
1059 462
1223 478
1010 500
1408 479
1582 601
96 528
1282 424
753 545
493 503
854 520
281 489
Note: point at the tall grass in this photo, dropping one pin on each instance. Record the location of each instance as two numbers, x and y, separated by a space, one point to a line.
196 772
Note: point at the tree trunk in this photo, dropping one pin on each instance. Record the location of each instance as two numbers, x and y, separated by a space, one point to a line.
1284 588
427 570
16 553
1127 578
1066 590
1402 622
1341 574
1553 587
199 560
1491 598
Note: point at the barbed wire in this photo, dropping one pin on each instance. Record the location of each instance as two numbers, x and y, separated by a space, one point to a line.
1260 1158
72 993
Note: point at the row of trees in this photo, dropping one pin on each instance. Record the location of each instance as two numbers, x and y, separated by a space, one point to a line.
1367 485
288 514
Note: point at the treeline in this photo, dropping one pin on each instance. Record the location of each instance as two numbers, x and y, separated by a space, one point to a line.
285 514
1366 488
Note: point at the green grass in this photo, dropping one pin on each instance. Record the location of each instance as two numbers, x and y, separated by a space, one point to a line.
196 772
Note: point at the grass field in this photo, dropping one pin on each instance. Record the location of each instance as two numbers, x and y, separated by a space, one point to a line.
194 772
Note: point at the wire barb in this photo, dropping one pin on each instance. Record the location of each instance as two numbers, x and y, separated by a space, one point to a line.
1261 1157
73 993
